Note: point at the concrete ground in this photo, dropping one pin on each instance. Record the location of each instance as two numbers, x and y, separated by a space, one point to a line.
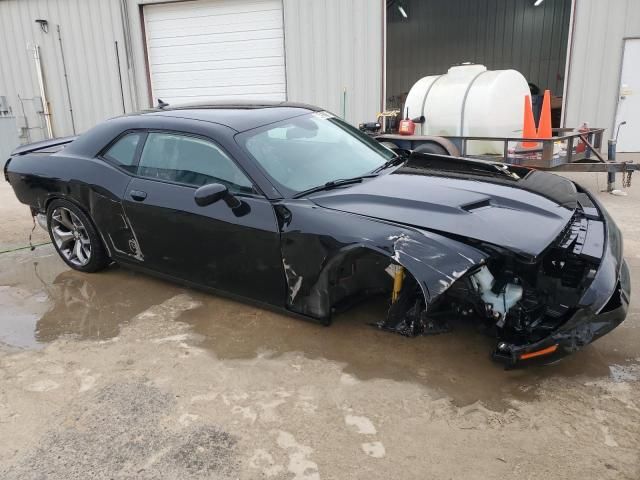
119 375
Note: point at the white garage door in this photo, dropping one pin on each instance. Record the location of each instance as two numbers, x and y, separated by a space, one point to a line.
216 49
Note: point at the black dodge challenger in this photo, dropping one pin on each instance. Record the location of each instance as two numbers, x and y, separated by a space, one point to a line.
288 206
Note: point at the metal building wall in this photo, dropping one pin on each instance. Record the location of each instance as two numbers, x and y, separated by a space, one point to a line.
596 60
497 33
89 30
332 46
8 138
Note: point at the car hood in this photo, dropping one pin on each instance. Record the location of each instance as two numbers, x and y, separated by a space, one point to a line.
513 207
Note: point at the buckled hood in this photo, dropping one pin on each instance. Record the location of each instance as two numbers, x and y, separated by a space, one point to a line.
520 209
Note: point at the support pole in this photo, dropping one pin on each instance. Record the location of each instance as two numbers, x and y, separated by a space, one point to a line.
43 91
344 104
66 82
124 108
611 154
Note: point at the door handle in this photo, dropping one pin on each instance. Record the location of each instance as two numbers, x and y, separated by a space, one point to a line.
138 195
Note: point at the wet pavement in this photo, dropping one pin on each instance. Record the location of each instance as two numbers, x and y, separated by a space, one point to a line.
44 300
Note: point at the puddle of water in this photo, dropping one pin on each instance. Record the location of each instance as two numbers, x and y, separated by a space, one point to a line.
456 364
42 300
21 310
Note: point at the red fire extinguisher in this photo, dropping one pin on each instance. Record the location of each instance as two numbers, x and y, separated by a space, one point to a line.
407 126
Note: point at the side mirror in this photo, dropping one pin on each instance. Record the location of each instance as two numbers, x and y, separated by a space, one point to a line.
211 193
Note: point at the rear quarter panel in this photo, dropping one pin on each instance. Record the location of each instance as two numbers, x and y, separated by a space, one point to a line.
36 179
90 183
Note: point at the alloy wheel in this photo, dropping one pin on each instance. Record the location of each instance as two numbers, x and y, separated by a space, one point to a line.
70 236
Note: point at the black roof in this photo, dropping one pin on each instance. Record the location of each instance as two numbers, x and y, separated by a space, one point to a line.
238 115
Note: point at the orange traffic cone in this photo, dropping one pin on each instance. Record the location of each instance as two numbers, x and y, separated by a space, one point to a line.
544 127
529 127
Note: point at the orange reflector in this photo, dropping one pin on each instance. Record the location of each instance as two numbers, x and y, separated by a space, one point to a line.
538 353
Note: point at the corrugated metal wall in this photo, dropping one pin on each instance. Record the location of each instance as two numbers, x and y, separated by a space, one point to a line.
88 29
497 33
596 59
333 45
8 138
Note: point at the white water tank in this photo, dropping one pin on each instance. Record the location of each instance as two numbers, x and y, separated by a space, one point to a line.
470 101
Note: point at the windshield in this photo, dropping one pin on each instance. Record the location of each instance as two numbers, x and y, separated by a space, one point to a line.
310 150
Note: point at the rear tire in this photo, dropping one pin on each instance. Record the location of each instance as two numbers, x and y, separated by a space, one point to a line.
431 147
75 238
390 145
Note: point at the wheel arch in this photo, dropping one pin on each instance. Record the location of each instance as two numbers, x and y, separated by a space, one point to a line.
318 242
67 198
415 141
445 143
320 298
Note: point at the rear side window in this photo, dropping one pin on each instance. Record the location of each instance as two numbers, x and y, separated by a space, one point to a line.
190 160
123 152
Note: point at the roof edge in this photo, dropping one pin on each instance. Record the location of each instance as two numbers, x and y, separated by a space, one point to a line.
235 104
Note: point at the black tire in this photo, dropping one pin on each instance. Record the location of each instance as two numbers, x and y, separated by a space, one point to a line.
431 147
390 145
94 256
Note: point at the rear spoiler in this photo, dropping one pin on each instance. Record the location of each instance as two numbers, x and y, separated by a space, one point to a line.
33 147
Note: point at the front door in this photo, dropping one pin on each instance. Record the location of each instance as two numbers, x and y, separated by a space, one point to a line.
629 98
233 250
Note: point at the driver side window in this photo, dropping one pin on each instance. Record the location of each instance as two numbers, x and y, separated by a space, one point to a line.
190 160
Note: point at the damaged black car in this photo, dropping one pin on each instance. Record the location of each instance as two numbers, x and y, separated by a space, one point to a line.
290 207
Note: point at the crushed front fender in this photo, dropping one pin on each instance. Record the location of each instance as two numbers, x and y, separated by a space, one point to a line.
308 253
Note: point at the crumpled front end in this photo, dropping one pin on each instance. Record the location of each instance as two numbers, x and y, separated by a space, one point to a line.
582 328
537 306
541 308
602 306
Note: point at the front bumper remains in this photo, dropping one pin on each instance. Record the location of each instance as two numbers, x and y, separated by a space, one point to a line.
584 327
602 308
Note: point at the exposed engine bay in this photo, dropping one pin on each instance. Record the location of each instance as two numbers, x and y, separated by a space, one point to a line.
518 299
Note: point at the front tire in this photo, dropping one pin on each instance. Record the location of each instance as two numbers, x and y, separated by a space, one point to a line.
75 238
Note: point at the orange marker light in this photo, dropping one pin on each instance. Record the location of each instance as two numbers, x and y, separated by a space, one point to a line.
539 353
